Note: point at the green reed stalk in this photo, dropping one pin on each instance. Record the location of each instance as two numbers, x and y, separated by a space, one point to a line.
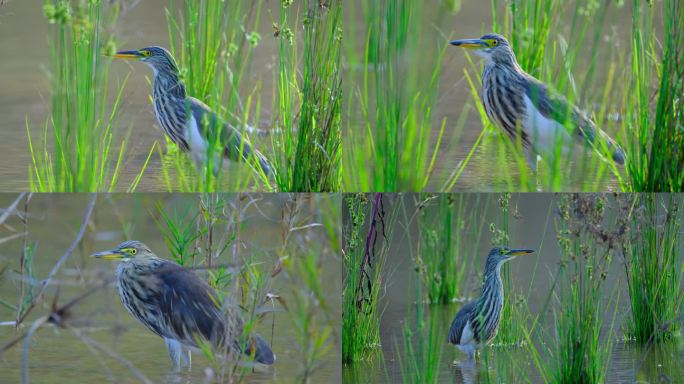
653 266
77 151
424 334
654 121
579 353
309 99
390 113
450 229
213 42
364 263
423 341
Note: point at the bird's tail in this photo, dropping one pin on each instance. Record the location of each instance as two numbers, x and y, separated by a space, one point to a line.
264 164
259 348
603 143
614 149
249 154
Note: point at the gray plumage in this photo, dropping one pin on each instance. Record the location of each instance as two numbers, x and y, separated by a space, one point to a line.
180 307
477 322
179 115
527 110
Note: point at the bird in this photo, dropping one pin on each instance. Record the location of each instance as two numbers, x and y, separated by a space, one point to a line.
530 111
477 322
187 121
176 304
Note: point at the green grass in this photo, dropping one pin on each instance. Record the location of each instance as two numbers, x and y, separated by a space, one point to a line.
420 357
579 349
654 117
213 43
78 149
450 228
390 107
308 97
653 267
364 278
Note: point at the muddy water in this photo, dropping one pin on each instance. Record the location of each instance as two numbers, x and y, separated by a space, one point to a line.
24 86
531 277
57 355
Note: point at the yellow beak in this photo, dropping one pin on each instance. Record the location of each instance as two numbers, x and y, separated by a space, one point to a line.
470 43
518 252
112 254
128 55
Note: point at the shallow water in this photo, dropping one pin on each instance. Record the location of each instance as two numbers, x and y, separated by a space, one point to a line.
59 355
531 277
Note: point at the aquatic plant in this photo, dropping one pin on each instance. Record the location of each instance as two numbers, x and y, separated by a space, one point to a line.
78 149
390 110
364 263
450 227
653 266
579 349
654 117
308 98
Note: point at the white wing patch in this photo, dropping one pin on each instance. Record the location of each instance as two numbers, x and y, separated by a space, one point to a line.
198 147
543 131
466 335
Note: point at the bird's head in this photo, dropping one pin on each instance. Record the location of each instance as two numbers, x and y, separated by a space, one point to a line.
503 254
126 251
156 57
493 47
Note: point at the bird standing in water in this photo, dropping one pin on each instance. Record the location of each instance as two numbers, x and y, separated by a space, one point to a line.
187 121
527 110
477 322
180 307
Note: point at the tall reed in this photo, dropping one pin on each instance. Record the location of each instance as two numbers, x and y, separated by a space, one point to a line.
654 116
308 99
78 148
450 228
390 110
367 223
653 265
580 347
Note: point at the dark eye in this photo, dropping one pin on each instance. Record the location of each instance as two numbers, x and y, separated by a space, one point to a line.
495 43
146 53
133 251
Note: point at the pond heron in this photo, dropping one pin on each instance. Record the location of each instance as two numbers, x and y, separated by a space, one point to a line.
177 305
529 111
477 322
188 122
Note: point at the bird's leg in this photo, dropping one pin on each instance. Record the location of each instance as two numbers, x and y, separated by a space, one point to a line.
174 348
532 159
186 356
471 356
